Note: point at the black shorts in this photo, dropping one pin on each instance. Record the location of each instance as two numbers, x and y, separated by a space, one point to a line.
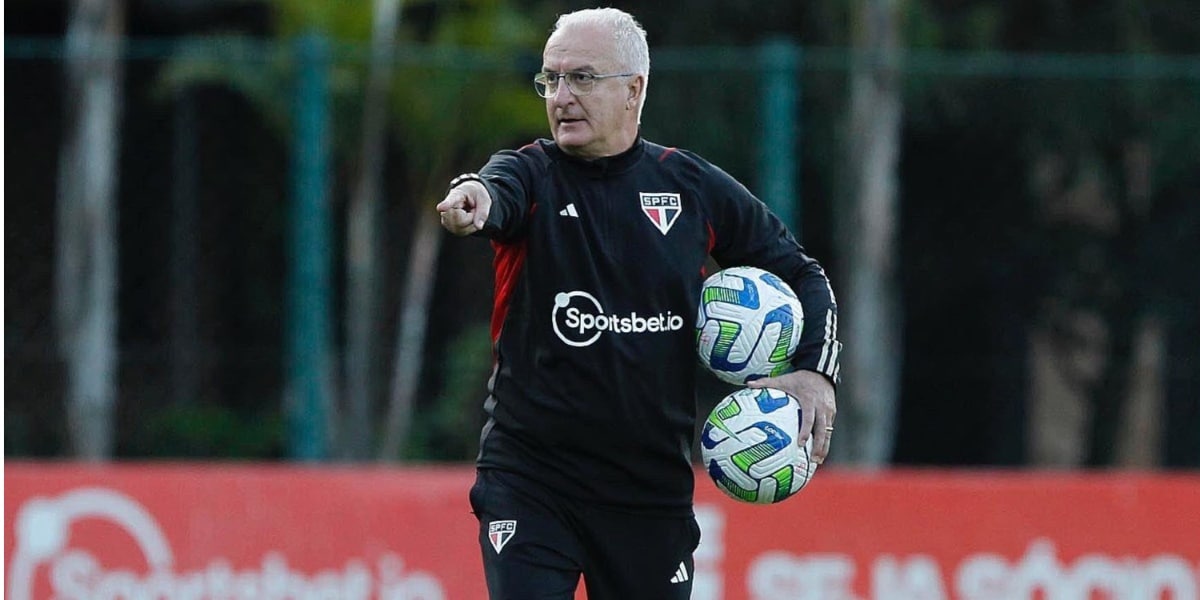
536 545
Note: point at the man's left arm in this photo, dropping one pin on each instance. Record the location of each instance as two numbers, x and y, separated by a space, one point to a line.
816 361
749 233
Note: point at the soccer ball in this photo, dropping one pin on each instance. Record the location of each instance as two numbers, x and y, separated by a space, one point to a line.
748 324
748 444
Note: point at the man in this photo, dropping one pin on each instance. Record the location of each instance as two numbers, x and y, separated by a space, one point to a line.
584 463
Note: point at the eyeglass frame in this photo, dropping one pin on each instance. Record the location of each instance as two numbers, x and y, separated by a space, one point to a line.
552 78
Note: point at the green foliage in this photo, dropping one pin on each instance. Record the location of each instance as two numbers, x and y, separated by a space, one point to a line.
206 431
450 115
342 21
261 73
921 28
449 430
982 26
975 26
442 114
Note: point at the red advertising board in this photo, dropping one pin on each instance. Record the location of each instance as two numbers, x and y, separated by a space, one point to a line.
168 531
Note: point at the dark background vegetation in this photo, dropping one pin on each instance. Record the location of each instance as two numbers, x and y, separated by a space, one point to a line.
982 255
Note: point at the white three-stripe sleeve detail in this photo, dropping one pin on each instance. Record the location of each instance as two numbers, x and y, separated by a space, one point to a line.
831 347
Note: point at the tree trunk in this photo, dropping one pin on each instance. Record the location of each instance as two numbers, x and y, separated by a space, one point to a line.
867 242
362 239
86 270
410 339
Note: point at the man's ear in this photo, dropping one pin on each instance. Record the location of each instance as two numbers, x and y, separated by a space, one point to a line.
636 87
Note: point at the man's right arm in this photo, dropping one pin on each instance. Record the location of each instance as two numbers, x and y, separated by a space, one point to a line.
494 202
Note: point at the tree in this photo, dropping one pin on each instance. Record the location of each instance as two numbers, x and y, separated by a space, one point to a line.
1105 160
87 250
447 116
362 236
868 238
438 110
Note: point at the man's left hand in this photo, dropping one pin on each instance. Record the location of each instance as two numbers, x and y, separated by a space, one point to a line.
818 406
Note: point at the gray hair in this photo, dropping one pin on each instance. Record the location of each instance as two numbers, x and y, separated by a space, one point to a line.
632 49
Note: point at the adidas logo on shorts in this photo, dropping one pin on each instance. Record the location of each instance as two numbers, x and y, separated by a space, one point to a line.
681 574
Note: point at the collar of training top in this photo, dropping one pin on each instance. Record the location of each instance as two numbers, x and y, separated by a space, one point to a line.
598 167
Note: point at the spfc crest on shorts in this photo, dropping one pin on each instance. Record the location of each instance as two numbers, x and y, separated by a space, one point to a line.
499 532
662 208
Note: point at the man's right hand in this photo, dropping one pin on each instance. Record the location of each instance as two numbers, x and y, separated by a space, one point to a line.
465 208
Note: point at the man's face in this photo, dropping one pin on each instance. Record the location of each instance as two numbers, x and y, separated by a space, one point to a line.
602 122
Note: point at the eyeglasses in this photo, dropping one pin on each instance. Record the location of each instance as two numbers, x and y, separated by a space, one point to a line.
580 83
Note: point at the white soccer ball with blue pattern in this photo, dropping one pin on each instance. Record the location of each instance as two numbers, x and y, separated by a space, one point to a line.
749 446
748 324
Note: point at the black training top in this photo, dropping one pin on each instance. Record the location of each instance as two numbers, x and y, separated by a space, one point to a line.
599 266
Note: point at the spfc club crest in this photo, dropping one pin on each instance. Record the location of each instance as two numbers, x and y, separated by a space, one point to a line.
499 532
662 209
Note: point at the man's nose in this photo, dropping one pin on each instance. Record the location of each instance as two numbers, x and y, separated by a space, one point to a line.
562 91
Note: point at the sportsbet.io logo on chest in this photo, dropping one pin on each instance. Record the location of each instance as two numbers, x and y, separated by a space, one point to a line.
579 320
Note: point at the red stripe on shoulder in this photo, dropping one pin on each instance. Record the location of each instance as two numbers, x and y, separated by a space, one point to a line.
529 146
709 244
666 153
